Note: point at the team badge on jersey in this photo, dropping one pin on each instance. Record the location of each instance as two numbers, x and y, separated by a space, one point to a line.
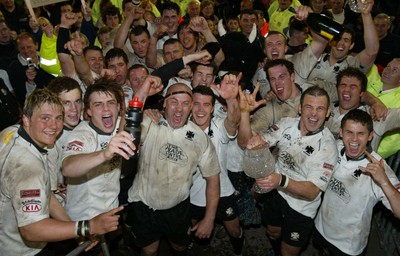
75 146
30 193
7 137
308 150
356 174
173 153
32 205
189 135
328 166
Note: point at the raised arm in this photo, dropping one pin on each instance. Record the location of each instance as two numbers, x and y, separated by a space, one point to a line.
123 30
199 24
151 57
229 90
368 55
82 67
247 103
66 62
151 86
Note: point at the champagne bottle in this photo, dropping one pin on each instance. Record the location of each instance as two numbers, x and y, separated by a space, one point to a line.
324 26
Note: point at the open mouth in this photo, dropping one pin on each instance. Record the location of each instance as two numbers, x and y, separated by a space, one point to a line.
346 97
107 121
353 148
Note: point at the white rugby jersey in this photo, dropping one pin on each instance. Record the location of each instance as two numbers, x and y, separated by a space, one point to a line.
344 218
96 191
303 158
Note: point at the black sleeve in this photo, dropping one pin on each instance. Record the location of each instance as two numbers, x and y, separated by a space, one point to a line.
62 38
169 70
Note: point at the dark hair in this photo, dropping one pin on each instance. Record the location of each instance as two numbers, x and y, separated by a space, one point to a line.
92 48
194 65
249 12
110 10
206 3
104 85
113 53
205 90
138 30
172 41
232 17
184 24
353 72
137 66
63 83
279 62
124 3
350 31
315 91
359 116
168 5
296 25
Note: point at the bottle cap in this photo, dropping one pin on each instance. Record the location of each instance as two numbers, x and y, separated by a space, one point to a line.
135 103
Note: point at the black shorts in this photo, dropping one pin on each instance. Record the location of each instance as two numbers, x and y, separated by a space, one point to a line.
295 227
321 244
150 225
227 209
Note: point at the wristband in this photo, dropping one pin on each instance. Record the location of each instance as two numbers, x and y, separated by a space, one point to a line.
76 228
284 182
86 225
79 228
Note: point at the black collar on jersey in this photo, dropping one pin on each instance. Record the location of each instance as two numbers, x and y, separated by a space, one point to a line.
314 132
326 57
25 135
67 128
98 130
362 157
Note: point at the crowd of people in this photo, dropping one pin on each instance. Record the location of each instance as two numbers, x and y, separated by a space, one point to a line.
216 79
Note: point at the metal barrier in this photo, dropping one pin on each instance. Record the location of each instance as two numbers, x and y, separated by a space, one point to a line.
387 225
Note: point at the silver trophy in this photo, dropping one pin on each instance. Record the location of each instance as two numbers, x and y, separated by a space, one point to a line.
355 5
258 163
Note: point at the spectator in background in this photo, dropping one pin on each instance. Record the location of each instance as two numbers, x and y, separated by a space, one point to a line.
388 43
103 35
262 24
15 15
25 79
111 16
387 89
10 111
298 34
338 10
232 24
49 61
170 16
193 9
318 5
207 11
279 20
8 49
